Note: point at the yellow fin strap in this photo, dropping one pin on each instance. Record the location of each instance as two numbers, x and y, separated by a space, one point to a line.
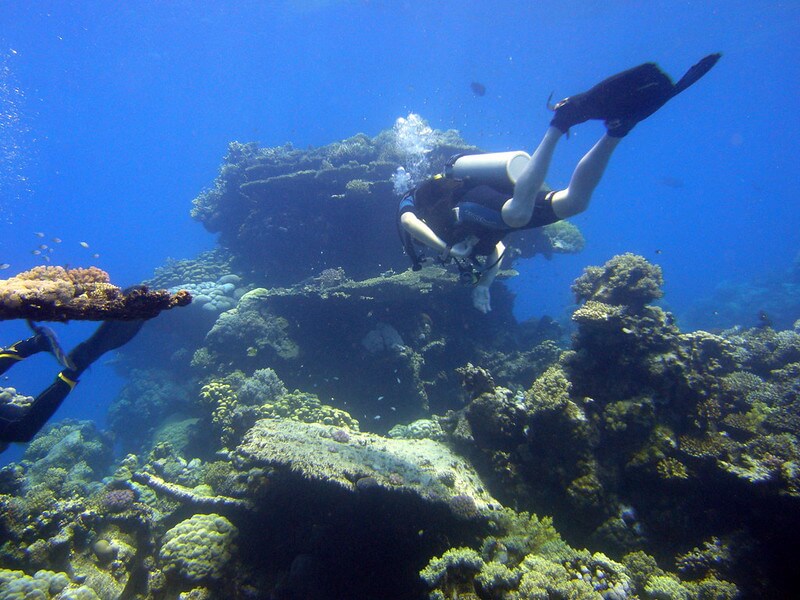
67 380
11 354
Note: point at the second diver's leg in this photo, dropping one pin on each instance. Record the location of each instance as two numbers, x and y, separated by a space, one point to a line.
22 428
517 210
21 350
109 336
584 180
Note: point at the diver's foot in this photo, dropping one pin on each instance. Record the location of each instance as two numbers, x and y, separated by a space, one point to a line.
619 128
45 340
569 112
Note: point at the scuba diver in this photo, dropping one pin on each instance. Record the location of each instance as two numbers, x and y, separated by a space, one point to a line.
465 212
21 417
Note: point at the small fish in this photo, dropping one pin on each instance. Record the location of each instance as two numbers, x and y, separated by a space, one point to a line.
38 234
478 88
659 251
392 408
57 240
43 247
398 380
672 182
84 244
377 417
4 266
95 255
379 397
764 320
36 252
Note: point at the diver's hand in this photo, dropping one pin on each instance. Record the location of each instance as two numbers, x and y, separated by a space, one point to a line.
463 249
480 298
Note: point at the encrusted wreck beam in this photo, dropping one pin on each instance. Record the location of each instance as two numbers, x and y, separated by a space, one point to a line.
56 294
188 496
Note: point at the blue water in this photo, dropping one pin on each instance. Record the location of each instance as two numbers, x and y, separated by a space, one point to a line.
115 115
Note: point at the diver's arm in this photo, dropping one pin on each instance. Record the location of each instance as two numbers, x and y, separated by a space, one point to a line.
420 231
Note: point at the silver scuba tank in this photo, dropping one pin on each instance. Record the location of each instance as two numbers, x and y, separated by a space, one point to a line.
497 169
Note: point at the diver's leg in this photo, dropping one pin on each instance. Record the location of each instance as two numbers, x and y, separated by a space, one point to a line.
109 336
22 427
590 169
517 211
21 350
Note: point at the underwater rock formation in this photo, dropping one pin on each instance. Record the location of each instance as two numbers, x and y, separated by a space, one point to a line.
58 294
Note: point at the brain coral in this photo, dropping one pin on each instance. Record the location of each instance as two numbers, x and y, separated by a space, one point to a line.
198 548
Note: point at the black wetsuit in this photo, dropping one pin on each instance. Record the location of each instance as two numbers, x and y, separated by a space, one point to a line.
21 423
479 215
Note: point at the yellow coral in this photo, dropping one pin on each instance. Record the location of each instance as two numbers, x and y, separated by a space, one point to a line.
307 408
551 390
220 397
598 312
671 468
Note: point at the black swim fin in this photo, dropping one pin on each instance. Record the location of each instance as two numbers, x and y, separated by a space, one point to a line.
626 98
49 342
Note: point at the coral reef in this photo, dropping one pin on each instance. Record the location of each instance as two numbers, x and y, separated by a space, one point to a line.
640 414
68 453
233 405
57 294
418 328
214 296
188 496
251 329
146 401
626 280
43 584
210 265
527 558
671 455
